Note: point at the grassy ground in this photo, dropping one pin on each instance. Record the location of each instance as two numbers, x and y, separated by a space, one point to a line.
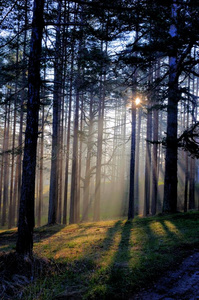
109 259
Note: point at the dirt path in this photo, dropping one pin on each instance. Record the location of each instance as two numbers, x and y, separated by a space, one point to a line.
181 284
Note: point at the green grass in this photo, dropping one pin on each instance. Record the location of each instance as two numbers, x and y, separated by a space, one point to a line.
111 259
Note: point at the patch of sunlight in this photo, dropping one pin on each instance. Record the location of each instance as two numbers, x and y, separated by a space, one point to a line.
171 227
66 253
106 224
98 240
45 189
125 251
160 183
109 253
104 247
13 230
5 247
136 237
157 228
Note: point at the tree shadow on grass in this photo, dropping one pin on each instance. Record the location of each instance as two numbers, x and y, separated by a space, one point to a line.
120 268
101 247
8 238
90 268
109 239
124 278
123 273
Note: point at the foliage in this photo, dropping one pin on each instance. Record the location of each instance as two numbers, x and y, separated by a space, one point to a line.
189 140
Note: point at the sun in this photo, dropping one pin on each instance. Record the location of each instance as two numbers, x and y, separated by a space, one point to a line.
137 101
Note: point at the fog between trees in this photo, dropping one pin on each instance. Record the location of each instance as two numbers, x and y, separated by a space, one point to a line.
70 76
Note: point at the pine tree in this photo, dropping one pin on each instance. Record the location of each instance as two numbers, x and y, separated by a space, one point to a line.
26 213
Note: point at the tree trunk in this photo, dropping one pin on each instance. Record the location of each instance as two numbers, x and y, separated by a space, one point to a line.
26 213
6 166
12 199
53 195
88 165
170 180
186 124
74 179
68 145
96 215
192 183
155 152
155 164
192 162
17 184
11 217
41 162
137 162
131 209
148 163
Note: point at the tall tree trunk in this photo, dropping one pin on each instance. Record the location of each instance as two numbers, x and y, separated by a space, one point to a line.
26 213
88 164
186 181
192 184
41 162
155 164
74 179
148 163
137 162
6 167
131 208
96 215
192 162
74 196
155 152
17 183
11 217
171 180
73 218
123 170
60 170
3 157
131 204
53 195
186 124
80 162
12 202
68 144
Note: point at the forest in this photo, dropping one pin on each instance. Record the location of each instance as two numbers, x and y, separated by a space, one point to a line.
99 114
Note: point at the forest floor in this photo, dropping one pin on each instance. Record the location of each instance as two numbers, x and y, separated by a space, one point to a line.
181 283
149 258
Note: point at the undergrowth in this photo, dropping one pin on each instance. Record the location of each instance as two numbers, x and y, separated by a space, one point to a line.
109 259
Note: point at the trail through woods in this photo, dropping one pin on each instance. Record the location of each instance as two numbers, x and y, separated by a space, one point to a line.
183 283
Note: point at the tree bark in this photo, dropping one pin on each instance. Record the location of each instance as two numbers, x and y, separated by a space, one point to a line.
131 209
171 180
147 183
26 213
74 179
17 184
88 164
6 166
68 144
96 214
53 195
41 162
155 152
